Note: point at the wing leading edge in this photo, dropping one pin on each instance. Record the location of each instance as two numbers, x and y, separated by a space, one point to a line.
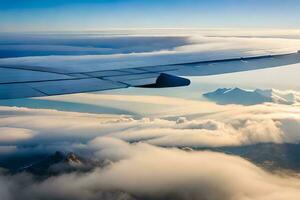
33 81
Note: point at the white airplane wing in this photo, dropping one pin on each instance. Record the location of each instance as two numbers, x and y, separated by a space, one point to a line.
17 81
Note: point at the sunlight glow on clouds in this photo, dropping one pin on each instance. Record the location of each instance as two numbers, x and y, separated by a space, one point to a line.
232 125
143 171
175 49
143 150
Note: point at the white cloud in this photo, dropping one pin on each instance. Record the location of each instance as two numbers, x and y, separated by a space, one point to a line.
144 171
191 46
10 134
199 125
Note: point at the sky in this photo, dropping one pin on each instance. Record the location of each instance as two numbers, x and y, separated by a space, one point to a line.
84 15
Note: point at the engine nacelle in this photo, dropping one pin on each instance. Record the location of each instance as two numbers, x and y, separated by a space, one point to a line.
166 80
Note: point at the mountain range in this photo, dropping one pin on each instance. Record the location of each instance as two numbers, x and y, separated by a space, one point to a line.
251 97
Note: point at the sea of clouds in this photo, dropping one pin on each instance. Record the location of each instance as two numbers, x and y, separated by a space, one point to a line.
145 152
134 49
141 165
142 171
200 124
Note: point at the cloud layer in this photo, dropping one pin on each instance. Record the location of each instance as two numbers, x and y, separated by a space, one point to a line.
142 171
200 124
94 52
140 166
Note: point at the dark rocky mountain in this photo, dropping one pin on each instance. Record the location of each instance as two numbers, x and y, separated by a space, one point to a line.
59 163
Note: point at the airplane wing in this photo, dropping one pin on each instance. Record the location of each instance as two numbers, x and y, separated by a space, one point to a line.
17 81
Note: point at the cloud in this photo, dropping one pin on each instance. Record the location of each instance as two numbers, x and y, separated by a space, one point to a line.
38 44
143 171
140 168
203 133
9 134
7 149
143 50
200 124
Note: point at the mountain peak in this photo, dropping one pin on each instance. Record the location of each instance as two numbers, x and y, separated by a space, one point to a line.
251 97
72 158
60 162
57 163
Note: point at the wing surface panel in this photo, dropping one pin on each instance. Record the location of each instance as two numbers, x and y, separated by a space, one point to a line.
33 81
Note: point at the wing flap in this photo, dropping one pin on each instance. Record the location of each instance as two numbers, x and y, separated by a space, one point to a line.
141 82
18 90
234 65
136 79
75 86
130 77
9 75
48 88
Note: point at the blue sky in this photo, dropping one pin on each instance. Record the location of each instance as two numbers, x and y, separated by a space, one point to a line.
61 15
